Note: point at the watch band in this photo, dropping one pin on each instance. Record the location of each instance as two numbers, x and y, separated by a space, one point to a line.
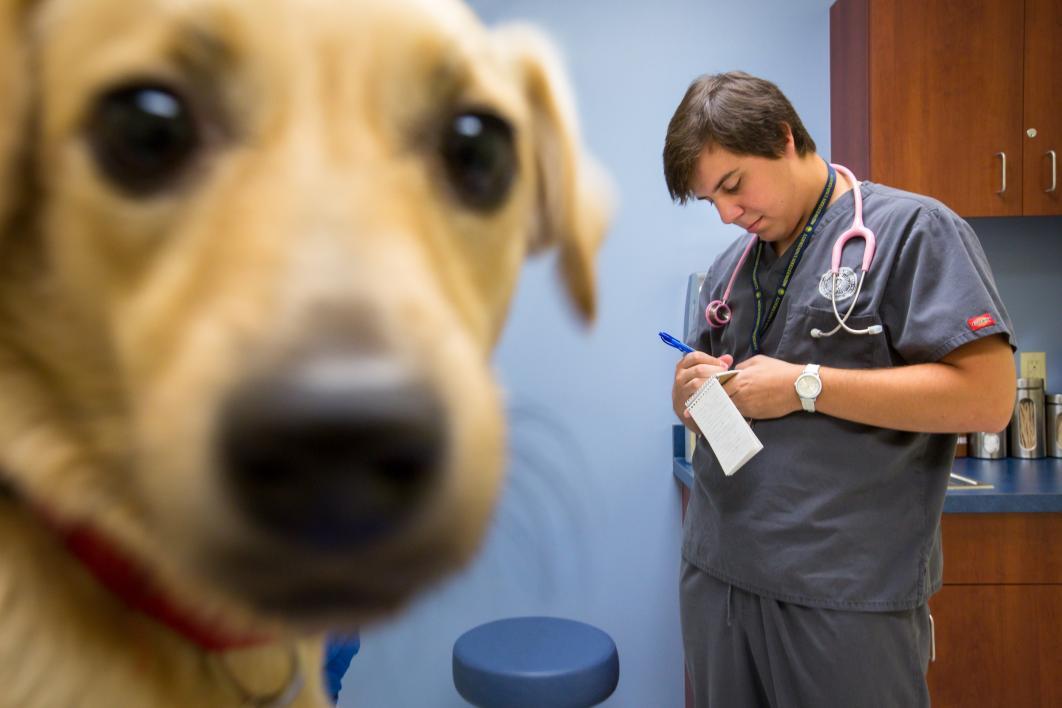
808 402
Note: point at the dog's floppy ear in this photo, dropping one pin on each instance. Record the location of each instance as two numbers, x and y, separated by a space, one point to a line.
574 195
14 96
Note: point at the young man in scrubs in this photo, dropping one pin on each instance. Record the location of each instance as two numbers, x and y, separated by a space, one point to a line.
806 574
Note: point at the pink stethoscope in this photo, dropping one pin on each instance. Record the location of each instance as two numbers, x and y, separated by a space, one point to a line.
718 312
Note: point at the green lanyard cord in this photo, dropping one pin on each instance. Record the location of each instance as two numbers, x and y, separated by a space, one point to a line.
762 323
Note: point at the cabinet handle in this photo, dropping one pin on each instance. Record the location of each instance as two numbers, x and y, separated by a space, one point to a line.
1054 171
1004 156
932 639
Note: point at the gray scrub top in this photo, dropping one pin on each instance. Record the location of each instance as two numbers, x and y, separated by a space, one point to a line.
833 513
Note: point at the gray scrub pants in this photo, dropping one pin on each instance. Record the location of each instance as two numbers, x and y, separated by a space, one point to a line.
747 651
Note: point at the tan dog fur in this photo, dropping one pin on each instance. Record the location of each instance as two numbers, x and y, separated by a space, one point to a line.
320 214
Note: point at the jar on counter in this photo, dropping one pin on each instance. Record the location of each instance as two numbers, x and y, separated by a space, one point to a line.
987 446
961 445
1054 424
1027 423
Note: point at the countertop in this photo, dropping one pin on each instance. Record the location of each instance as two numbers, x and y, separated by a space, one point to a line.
1018 486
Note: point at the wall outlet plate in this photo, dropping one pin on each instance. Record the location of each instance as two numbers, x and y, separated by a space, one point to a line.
1034 366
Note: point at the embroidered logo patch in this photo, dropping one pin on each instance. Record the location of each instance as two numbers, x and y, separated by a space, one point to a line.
980 321
846 283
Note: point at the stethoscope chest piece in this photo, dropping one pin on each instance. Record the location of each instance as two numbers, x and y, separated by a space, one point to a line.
717 313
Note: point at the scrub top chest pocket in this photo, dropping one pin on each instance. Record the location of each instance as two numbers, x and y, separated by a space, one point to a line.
843 350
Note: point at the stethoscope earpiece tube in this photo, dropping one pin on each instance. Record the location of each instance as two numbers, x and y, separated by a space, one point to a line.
857 230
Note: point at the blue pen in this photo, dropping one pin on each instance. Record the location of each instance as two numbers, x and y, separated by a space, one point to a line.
677 343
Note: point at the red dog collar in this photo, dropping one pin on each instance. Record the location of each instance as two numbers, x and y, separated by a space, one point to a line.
131 583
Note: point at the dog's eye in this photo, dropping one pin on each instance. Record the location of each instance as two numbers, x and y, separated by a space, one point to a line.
480 158
142 137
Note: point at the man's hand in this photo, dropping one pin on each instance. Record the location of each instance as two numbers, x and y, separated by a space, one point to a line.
690 374
764 389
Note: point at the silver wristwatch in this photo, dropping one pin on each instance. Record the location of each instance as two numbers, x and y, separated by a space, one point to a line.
808 387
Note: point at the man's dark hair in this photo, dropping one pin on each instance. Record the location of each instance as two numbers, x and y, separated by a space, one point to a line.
735 111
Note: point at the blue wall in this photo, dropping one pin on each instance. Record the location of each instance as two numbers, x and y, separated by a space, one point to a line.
1026 258
589 523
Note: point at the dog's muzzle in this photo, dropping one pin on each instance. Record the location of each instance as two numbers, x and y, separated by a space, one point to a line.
332 453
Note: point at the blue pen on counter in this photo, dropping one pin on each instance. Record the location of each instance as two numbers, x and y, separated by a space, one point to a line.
676 343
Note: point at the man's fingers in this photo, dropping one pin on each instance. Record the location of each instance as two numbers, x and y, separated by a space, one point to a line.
701 371
698 358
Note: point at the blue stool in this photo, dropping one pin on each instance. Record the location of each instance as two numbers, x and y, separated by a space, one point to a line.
535 662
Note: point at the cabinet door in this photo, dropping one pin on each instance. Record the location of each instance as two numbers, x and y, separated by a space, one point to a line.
1043 107
998 646
945 101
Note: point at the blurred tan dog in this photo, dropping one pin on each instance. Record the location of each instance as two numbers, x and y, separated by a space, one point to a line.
254 258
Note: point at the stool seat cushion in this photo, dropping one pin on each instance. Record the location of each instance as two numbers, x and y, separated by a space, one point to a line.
530 662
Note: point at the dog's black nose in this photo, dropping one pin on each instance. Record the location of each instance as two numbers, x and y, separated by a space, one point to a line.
332 454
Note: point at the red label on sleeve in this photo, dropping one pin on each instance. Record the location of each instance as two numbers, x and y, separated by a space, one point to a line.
980 321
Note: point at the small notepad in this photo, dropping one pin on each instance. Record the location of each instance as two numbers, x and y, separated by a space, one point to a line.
723 426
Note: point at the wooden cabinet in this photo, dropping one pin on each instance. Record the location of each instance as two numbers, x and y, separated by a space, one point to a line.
1043 108
934 97
998 617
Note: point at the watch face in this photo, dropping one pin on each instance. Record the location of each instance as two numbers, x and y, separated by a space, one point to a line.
808 386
